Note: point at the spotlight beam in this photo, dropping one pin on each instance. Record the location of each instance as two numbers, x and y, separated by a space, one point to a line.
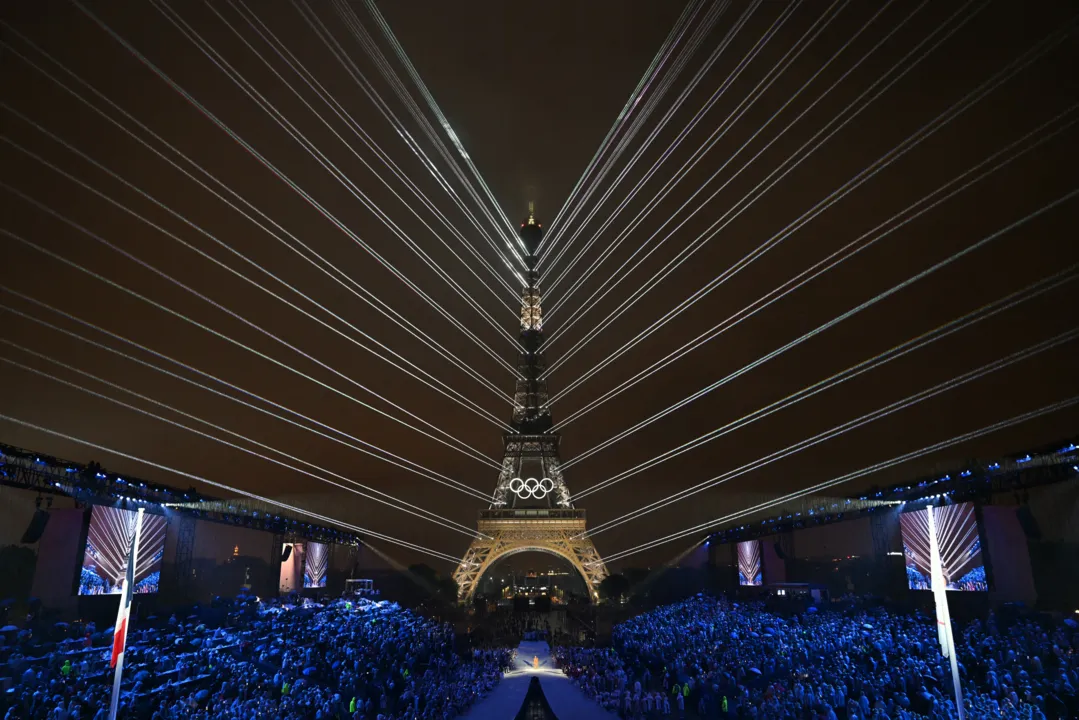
229 488
266 163
347 283
983 313
371 145
352 21
776 176
630 104
281 50
355 444
880 164
465 450
387 32
217 59
868 470
627 110
423 376
841 429
701 72
950 189
352 70
744 105
342 482
831 323
657 95
359 32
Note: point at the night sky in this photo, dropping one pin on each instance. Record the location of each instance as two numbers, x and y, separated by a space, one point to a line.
531 88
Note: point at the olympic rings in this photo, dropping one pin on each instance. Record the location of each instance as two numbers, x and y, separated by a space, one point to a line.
531 488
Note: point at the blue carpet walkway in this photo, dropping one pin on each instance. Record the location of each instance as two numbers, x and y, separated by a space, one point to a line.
566 699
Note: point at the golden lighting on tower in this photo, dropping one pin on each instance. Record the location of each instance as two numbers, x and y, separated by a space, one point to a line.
531 313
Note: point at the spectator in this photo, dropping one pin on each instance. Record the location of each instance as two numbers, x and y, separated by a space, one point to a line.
309 662
739 661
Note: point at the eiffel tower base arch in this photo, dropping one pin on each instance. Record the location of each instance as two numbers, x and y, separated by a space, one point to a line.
551 530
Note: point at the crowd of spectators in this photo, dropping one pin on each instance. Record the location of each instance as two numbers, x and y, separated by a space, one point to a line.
347 659
709 658
705 658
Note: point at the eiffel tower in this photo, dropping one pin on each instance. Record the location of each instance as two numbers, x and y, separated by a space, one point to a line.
530 509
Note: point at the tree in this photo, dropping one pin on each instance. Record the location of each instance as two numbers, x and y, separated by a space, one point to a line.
674 584
436 586
447 590
614 587
636 576
426 572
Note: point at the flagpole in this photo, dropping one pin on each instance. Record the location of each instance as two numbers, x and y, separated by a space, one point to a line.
944 617
119 637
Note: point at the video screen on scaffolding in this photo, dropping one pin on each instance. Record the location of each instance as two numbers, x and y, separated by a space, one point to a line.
104 562
316 565
749 563
960 548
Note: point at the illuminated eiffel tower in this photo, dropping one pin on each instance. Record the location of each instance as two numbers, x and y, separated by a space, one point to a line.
530 509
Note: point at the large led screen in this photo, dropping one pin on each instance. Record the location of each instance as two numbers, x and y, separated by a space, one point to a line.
104 564
960 547
293 566
316 565
749 563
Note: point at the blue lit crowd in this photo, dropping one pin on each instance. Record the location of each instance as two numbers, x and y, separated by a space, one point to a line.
348 659
708 658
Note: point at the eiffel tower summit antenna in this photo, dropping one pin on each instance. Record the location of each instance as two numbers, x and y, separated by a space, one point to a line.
530 508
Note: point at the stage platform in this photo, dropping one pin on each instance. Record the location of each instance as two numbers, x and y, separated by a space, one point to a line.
566 699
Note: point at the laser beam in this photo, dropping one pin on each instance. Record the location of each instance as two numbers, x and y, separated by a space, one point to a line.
349 440
342 482
941 331
868 470
420 374
322 265
948 190
831 323
465 450
229 488
841 429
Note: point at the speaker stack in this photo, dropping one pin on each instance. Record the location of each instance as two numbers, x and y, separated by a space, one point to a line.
36 527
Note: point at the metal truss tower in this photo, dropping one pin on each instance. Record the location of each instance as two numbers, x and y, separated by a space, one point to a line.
530 508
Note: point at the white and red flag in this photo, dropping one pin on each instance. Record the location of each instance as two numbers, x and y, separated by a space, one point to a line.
123 615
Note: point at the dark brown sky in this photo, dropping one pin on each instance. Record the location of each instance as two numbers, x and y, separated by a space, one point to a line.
531 89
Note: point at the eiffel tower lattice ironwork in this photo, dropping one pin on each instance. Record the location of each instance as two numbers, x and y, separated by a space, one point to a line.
530 509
